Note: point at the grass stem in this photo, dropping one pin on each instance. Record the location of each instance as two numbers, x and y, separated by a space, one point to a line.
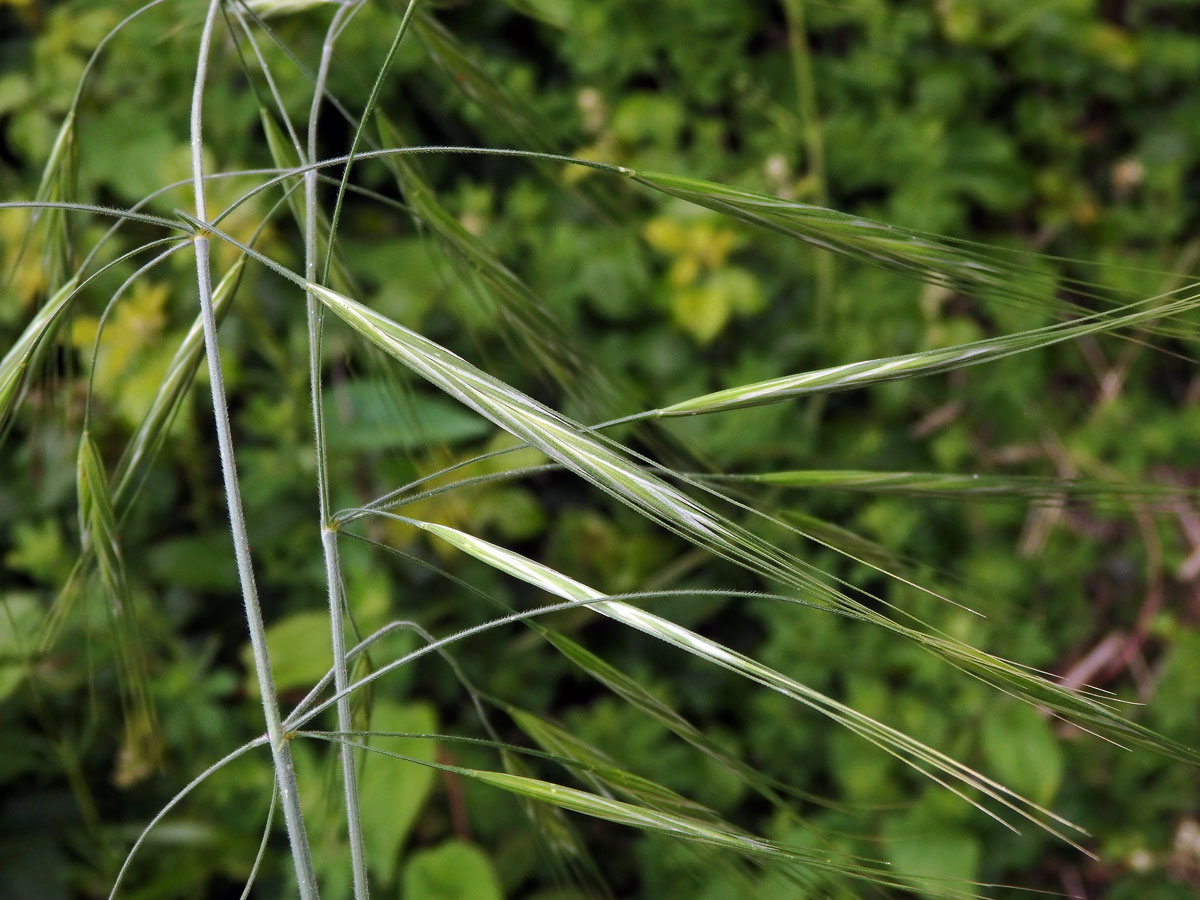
329 548
284 772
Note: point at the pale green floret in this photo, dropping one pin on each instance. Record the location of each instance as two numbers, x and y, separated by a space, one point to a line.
911 751
927 362
17 360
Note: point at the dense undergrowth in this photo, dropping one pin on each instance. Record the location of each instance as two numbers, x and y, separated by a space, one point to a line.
681 535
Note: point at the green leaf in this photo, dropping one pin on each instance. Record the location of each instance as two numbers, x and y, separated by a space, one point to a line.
701 311
20 616
648 116
391 792
515 512
933 857
453 870
300 652
197 561
1022 750
740 289
38 550
132 169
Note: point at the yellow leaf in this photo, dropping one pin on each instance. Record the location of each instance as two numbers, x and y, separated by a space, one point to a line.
134 326
683 271
665 234
83 332
702 312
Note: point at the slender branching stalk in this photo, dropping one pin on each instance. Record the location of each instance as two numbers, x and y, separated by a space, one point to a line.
280 749
329 548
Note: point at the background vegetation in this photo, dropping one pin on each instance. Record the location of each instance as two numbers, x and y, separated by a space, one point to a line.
1067 127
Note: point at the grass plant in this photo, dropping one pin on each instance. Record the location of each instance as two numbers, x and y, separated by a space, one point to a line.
565 423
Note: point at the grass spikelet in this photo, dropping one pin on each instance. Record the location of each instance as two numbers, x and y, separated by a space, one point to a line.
145 443
599 771
58 186
541 339
924 759
1017 278
629 690
99 537
24 354
462 69
269 8
963 486
612 471
647 818
927 362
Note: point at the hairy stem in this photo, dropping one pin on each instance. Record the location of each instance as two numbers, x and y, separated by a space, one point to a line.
329 547
281 753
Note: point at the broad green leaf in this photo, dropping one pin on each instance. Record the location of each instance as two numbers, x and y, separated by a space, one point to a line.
514 512
1177 694
937 859
742 290
453 870
1021 748
700 310
198 562
552 12
38 550
865 777
299 649
20 618
391 793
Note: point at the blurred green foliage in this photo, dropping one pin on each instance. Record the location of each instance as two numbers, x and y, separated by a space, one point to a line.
1066 126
